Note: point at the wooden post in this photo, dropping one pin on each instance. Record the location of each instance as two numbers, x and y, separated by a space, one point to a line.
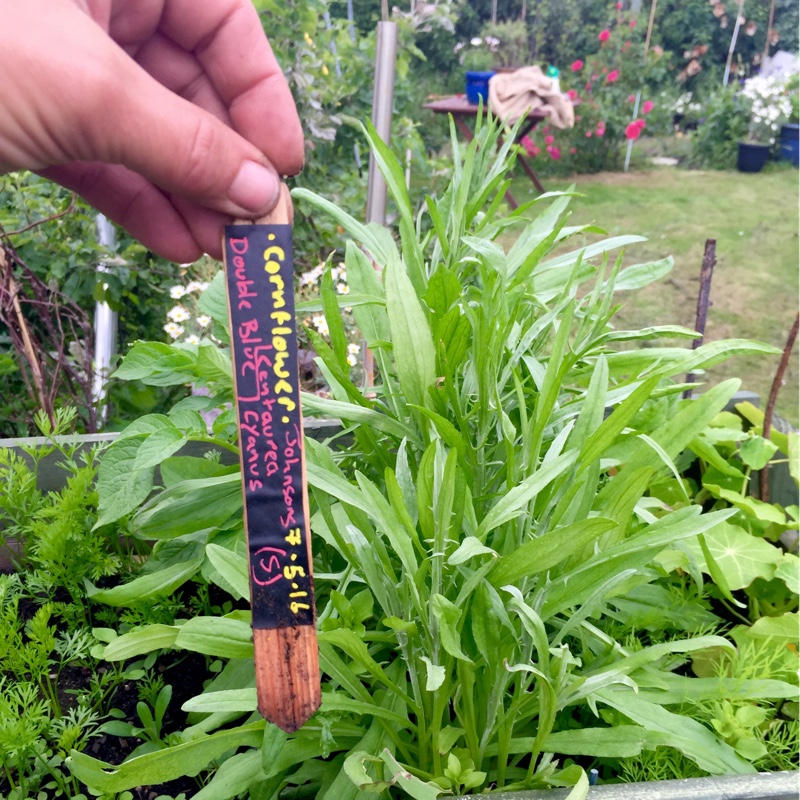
703 299
260 273
769 411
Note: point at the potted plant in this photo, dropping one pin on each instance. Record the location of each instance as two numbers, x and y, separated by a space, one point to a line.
790 131
508 42
477 58
767 105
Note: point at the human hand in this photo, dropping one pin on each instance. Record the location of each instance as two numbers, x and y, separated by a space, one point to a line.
168 116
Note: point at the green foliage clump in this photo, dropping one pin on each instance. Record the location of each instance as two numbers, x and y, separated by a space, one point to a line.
715 144
488 539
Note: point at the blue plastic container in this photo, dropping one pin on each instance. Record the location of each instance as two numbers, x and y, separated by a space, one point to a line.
790 143
478 87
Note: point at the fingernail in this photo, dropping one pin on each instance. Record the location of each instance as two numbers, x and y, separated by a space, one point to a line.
255 187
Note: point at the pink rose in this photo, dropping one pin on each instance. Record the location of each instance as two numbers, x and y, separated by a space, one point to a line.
573 150
605 35
647 107
619 6
576 65
572 94
588 134
555 153
588 87
631 98
612 76
546 129
549 139
634 129
632 23
528 144
601 129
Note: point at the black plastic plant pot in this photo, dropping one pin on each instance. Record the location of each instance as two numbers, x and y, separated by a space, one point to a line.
790 143
752 157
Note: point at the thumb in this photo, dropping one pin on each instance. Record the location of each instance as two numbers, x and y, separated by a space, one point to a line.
181 148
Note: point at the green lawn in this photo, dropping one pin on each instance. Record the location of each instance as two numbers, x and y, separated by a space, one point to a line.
754 219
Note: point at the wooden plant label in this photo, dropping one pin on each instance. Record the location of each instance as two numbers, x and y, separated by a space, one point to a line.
260 277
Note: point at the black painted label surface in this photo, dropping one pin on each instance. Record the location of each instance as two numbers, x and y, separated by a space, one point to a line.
264 340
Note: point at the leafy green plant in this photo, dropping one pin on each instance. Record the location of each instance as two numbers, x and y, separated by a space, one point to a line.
724 126
49 535
491 505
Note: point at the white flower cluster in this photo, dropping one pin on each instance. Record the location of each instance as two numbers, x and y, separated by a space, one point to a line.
312 278
769 106
179 313
684 105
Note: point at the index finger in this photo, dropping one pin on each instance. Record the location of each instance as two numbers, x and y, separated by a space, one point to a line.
227 39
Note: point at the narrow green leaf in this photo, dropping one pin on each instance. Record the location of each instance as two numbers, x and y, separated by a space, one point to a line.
413 351
545 552
233 568
165 765
516 501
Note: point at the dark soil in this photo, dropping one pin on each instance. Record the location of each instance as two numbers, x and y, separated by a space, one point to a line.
185 673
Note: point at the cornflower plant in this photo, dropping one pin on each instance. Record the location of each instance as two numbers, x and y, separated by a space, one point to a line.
488 502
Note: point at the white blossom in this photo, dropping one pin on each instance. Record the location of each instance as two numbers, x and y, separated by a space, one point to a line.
178 314
204 320
176 292
193 339
173 330
320 323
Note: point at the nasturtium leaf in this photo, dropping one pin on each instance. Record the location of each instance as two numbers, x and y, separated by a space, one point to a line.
789 572
786 626
749 505
756 452
741 556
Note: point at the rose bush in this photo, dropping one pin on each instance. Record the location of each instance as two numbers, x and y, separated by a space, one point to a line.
604 86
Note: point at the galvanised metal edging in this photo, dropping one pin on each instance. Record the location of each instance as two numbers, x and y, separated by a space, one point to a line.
766 786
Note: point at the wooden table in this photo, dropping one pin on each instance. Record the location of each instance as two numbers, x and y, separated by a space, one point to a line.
461 109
